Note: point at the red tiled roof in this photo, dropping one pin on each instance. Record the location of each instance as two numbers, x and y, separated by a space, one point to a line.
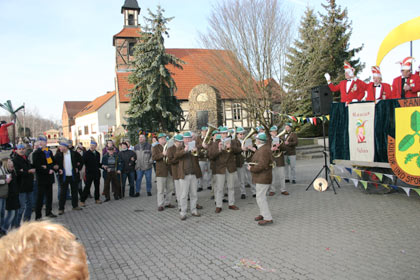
74 107
95 104
127 32
197 64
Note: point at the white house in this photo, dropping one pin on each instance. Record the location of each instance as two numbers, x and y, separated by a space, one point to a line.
95 121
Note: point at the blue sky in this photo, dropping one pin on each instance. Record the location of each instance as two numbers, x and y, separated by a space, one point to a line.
54 51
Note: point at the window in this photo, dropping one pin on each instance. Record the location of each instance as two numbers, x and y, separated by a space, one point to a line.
79 131
92 128
131 48
86 130
130 19
237 111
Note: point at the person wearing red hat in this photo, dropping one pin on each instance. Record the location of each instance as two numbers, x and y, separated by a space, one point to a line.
377 90
407 85
351 89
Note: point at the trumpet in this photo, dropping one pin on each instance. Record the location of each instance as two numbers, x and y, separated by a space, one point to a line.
195 153
272 165
248 154
277 153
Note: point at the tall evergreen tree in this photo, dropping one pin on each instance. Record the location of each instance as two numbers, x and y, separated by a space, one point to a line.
336 31
303 71
153 105
322 47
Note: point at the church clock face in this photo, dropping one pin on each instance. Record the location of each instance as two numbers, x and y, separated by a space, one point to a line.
202 97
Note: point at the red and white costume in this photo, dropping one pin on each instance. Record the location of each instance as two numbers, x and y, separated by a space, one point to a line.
378 91
413 80
351 90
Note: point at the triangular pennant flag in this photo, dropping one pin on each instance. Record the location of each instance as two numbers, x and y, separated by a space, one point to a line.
346 179
349 170
338 178
364 183
339 168
407 190
389 176
290 117
358 172
293 118
417 191
314 120
307 119
385 186
328 117
311 120
379 175
355 182
394 187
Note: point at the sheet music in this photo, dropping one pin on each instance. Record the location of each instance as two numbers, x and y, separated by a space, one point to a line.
170 143
276 140
191 145
226 141
248 143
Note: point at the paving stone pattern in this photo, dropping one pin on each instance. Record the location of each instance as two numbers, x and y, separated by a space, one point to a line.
315 235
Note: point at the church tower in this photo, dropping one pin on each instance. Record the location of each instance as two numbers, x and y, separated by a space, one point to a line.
125 40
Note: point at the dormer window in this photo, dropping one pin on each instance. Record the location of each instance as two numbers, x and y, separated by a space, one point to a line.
131 20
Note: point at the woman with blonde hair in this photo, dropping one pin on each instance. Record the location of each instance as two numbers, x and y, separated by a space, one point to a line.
42 250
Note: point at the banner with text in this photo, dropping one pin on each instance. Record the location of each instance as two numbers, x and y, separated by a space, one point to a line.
361 131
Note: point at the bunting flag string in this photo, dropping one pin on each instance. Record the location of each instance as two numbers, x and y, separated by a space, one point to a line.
313 120
359 172
375 184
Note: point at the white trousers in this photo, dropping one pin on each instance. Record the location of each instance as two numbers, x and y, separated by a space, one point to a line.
189 186
278 179
165 187
205 181
177 184
290 164
220 184
262 201
249 180
242 178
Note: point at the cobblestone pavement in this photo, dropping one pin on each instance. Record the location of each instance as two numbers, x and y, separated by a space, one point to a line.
315 235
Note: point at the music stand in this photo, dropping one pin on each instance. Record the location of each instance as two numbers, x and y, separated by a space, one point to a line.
327 169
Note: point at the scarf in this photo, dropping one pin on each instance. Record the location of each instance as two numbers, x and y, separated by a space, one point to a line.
47 155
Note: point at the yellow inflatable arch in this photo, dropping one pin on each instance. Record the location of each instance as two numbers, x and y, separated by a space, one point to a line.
406 32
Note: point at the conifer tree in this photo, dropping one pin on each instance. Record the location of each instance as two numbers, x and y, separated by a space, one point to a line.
153 105
336 31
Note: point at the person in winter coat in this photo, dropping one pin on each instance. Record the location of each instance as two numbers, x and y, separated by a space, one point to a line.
144 164
128 159
4 134
25 181
111 163
12 200
4 185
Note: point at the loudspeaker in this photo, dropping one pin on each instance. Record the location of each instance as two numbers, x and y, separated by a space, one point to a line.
321 100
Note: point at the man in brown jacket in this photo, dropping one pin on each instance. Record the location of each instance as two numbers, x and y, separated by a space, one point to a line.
261 171
189 172
164 181
290 142
223 154
278 170
240 160
178 145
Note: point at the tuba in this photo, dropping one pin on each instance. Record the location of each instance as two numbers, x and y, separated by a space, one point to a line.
248 154
278 153
207 138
